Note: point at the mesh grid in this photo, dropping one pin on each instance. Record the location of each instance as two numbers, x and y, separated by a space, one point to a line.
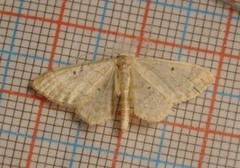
37 36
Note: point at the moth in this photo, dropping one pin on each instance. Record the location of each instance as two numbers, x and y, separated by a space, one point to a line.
151 86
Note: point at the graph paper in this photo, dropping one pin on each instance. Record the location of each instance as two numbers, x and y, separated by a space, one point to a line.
36 36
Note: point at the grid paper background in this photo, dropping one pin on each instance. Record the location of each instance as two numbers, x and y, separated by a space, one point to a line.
36 36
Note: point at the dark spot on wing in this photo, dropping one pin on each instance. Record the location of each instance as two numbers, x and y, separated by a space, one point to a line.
196 89
74 72
172 69
149 87
98 89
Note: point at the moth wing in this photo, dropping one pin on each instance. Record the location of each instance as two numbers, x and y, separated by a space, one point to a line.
178 81
98 105
149 104
88 88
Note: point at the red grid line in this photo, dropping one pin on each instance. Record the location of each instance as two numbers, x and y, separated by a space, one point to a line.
59 23
119 138
190 127
172 44
145 16
21 94
218 76
30 153
180 125
34 136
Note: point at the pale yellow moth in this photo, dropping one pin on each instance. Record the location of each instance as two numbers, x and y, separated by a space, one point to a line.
151 86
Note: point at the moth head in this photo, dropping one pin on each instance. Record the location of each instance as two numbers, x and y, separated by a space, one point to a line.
124 60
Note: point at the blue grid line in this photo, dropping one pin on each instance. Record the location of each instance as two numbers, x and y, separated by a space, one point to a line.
185 30
225 94
161 144
154 160
50 140
100 28
179 58
4 131
94 58
192 9
75 145
32 56
66 63
11 48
